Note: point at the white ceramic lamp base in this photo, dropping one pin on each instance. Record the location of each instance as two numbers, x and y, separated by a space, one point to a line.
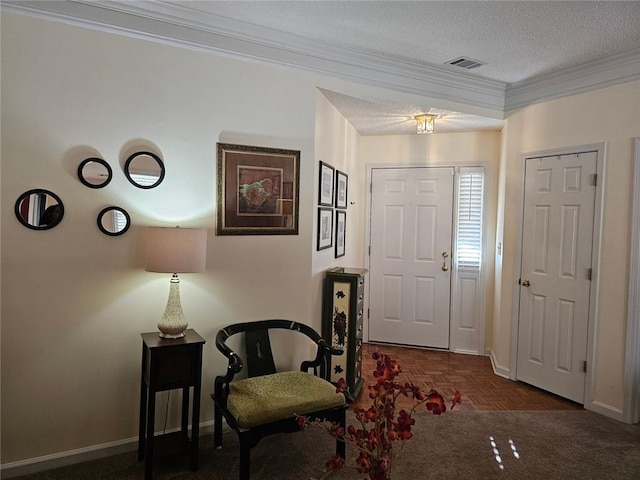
173 323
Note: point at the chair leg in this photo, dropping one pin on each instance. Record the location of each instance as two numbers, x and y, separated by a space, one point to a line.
341 443
245 457
217 427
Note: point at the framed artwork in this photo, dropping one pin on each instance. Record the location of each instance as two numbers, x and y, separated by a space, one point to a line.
258 190
325 228
341 227
325 191
342 182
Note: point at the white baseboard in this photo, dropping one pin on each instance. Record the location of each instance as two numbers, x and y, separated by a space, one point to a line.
606 410
85 454
497 369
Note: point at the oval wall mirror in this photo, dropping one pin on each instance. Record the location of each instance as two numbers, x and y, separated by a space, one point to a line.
39 209
113 221
144 169
94 172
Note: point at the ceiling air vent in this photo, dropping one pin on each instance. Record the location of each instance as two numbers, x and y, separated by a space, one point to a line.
465 62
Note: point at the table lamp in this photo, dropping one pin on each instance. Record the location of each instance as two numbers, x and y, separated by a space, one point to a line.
175 250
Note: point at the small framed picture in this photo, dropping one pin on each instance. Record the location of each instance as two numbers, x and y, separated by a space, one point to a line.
342 183
341 228
325 195
325 228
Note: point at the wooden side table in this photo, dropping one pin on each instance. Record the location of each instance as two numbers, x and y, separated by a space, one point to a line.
169 364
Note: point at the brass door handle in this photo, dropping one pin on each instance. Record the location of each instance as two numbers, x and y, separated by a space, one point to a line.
525 283
444 262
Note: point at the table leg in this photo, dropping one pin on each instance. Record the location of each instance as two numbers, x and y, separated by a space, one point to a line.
151 413
195 427
143 410
185 410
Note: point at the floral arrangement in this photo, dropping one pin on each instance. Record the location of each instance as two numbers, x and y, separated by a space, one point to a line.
379 427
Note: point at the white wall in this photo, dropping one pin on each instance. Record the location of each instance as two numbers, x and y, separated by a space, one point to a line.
610 115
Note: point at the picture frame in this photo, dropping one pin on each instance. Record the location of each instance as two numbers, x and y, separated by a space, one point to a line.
325 187
258 190
341 231
342 184
325 228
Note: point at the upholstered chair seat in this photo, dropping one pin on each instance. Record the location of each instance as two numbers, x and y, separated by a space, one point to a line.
260 400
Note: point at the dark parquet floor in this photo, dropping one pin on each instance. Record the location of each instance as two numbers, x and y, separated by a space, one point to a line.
482 390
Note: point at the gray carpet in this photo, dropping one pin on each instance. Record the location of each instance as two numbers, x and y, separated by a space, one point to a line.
550 445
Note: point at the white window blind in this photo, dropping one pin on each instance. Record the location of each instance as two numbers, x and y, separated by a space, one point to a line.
144 180
119 220
469 219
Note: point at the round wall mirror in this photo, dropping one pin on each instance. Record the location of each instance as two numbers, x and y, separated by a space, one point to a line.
144 169
94 173
39 209
113 221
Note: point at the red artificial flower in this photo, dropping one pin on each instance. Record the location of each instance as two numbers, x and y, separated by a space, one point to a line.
378 426
370 414
336 430
342 386
435 403
302 422
457 398
335 463
363 462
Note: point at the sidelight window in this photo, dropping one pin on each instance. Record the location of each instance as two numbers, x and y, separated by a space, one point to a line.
469 219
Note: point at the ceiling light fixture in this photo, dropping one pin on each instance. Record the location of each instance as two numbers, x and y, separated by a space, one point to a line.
425 123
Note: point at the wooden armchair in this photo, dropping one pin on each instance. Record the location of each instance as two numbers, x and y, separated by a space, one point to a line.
268 402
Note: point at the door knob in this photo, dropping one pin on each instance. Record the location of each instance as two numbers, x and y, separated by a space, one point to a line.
444 262
525 283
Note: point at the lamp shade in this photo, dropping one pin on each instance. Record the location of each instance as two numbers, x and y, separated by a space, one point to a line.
176 250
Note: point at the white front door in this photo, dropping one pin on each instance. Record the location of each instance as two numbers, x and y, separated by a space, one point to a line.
555 276
410 274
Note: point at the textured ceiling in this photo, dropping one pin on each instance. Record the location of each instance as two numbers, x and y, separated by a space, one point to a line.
516 40
386 118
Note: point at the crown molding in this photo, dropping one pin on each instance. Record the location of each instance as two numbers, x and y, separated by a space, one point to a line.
187 28
613 70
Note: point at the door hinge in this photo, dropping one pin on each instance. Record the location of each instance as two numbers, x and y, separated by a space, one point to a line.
371 187
589 273
594 181
584 366
369 250
368 311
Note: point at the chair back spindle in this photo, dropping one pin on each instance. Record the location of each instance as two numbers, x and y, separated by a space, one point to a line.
258 353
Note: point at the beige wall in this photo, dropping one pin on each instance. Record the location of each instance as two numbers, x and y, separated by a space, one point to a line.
75 301
337 143
610 115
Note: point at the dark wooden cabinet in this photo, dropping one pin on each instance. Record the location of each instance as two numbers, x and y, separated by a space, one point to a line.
342 317
169 364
